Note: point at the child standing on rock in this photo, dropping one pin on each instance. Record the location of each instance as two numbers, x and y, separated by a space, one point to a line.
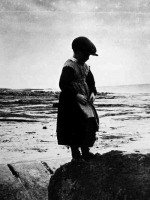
77 120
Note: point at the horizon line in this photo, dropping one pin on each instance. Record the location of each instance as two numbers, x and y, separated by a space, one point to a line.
52 88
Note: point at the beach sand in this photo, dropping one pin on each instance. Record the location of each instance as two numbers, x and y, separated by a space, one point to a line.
30 134
24 141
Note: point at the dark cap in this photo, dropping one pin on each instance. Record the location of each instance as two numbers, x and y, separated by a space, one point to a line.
84 44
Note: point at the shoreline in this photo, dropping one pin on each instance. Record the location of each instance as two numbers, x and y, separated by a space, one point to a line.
28 125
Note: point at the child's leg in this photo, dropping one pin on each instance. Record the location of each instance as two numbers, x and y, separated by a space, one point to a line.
75 152
86 154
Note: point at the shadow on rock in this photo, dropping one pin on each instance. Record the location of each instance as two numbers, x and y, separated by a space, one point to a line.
112 176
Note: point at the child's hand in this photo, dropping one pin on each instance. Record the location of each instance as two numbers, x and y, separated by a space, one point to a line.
81 98
92 97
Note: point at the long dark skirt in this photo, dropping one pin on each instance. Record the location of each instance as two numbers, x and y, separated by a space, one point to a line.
72 127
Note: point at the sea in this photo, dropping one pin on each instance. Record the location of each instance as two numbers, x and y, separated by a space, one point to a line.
127 89
130 100
41 104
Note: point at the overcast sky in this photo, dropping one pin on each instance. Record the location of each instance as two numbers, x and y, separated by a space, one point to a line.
36 37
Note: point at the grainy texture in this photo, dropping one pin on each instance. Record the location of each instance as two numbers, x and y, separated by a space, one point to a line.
10 187
27 180
112 176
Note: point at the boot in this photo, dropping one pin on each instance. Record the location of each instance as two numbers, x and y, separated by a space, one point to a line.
75 152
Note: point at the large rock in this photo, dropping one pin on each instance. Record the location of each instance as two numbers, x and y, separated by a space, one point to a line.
112 176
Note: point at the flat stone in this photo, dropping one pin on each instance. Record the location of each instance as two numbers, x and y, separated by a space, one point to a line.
56 163
28 180
10 187
35 178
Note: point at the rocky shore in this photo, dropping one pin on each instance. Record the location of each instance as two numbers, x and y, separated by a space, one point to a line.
111 176
27 180
115 175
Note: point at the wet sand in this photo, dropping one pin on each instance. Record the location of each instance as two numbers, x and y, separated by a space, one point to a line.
28 129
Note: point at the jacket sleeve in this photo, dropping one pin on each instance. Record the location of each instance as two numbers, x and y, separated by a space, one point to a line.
66 78
91 82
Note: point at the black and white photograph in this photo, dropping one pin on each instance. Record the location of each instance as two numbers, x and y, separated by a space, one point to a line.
75 100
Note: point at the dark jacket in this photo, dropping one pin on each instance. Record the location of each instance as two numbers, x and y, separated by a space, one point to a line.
71 122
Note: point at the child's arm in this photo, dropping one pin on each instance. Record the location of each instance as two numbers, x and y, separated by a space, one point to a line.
66 78
91 84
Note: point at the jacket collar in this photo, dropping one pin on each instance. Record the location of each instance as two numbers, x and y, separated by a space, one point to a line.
73 59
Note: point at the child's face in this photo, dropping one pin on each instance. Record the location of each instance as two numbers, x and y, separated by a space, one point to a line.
83 56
